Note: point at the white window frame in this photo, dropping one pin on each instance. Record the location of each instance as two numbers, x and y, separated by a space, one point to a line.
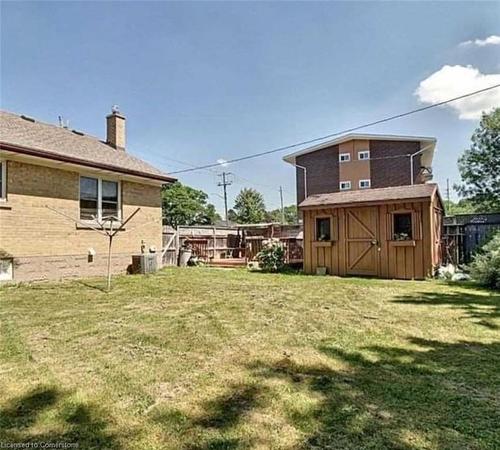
3 193
347 187
365 181
364 152
348 155
99 196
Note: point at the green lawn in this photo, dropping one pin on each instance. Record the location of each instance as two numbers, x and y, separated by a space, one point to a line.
213 359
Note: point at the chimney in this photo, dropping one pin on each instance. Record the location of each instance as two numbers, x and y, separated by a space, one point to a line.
115 129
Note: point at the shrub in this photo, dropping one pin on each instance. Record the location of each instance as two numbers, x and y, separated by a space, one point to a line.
485 268
272 256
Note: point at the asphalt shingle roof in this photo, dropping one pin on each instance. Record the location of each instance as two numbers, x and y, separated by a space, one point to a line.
371 195
61 143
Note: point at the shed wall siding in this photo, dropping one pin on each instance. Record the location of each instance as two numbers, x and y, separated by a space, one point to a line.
393 259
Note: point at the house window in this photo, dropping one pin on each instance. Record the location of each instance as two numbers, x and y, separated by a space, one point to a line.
344 157
323 229
402 227
109 199
364 154
99 199
89 198
6 269
345 185
364 184
3 180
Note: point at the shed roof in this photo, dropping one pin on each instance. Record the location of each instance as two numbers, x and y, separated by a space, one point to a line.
25 135
379 195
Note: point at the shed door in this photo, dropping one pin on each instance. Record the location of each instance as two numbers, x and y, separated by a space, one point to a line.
362 241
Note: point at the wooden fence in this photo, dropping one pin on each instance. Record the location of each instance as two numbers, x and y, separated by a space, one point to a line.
219 243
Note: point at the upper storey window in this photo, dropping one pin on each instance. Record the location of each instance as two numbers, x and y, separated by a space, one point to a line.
344 157
363 154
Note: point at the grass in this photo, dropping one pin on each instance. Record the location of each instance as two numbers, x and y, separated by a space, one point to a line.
213 359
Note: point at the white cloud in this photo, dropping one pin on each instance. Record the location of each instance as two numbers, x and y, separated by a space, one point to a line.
454 81
490 40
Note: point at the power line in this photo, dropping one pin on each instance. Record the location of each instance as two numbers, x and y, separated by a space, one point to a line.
234 174
348 130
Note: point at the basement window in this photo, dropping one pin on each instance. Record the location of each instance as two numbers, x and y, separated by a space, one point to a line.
3 180
323 229
402 227
99 199
6 269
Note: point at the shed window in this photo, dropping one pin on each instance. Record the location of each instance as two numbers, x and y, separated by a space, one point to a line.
402 227
3 180
99 199
323 229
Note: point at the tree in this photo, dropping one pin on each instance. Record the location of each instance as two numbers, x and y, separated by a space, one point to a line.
184 205
479 166
461 207
249 207
232 216
290 213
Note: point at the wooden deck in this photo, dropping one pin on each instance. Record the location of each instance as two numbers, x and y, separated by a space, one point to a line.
229 263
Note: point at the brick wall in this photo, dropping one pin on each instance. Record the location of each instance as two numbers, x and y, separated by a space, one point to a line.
322 172
323 168
394 171
46 245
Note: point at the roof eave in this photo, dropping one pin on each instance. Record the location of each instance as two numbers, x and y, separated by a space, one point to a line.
291 158
365 203
82 162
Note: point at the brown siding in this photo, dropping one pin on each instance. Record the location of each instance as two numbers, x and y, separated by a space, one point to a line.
394 259
389 164
354 170
322 172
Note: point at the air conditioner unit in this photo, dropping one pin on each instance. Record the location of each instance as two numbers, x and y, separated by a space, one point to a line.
144 263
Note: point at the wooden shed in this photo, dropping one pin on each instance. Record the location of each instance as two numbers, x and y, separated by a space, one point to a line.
390 232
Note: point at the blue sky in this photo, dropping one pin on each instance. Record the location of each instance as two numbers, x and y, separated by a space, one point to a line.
204 81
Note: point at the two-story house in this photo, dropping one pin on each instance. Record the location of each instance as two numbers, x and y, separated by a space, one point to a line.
57 184
367 206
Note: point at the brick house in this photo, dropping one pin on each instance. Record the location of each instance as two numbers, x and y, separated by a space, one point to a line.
367 208
44 166
360 161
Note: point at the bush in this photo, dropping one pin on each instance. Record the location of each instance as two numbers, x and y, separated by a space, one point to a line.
485 268
272 256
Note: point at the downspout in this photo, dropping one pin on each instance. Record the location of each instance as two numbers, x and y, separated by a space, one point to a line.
305 177
411 160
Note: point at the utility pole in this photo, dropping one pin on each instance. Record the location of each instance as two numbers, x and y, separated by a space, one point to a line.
448 193
282 208
224 183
